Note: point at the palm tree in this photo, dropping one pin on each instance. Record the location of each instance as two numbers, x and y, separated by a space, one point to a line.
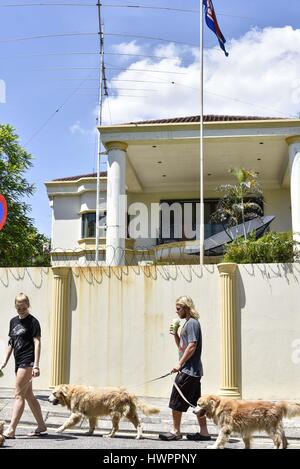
237 204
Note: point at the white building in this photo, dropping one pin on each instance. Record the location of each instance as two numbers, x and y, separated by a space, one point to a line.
158 161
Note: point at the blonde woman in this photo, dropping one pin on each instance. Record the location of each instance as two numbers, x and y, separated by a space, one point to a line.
189 371
25 342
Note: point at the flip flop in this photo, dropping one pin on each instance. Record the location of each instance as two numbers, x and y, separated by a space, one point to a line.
169 436
9 437
37 433
198 437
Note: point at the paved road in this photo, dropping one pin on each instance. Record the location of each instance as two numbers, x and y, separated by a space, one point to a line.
77 440
153 425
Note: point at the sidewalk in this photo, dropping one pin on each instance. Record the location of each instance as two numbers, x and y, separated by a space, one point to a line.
56 415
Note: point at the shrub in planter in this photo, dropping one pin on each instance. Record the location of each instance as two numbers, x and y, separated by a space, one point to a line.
271 248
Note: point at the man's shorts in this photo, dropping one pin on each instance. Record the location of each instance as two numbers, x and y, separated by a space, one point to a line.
190 386
23 365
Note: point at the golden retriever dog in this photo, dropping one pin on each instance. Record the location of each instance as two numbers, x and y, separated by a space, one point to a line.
247 417
86 401
2 438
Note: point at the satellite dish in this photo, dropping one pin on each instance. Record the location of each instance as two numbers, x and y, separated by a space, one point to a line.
214 246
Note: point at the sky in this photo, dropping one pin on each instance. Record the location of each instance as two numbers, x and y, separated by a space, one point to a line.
51 83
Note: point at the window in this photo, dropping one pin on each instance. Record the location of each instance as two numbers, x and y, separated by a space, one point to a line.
89 225
179 219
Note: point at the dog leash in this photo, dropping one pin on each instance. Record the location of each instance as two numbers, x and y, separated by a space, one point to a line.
181 393
175 384
150 381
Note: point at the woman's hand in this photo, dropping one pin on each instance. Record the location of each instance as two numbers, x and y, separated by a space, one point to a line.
35 372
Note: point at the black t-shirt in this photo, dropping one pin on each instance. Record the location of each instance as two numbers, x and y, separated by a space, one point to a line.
21 333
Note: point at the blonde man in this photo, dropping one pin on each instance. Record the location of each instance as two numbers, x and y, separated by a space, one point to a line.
189 371
25 342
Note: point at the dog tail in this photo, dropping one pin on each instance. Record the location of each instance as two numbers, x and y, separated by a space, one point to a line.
291 409
147 409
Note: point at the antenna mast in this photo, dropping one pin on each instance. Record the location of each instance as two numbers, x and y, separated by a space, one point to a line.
99 122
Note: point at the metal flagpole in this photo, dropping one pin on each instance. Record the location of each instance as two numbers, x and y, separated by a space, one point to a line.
101 39
201 234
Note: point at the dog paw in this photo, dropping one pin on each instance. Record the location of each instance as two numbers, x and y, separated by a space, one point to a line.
212 447
59 430
107 435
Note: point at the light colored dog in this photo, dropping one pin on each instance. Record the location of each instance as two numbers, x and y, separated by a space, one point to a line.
85 401
2 438
246 417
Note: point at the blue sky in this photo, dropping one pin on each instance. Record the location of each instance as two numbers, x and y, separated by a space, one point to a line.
250 81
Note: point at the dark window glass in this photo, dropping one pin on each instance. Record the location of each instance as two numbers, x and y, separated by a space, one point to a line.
210 228
89 225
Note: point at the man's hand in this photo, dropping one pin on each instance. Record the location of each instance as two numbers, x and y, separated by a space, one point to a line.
35 372
3 365
176 368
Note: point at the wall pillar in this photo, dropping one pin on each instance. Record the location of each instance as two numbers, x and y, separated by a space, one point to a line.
60 327
294 160
229 377
116 226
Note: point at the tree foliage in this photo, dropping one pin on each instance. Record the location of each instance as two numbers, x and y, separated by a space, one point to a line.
20 242
239 201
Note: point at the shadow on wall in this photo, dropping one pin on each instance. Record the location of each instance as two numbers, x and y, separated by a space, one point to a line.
272 271
189 273
36 275
72 304
240 304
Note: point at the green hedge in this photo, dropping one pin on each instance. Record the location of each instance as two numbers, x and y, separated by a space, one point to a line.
271 248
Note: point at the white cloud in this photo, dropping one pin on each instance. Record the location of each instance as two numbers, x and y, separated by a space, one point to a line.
261 75
127 48
77 129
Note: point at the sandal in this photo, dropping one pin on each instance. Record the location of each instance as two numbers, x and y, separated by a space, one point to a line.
9 436
169 436
37 433
198 437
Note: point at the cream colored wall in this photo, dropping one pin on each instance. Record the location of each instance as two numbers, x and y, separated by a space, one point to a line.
88 201
120 325
270 326
120 320
37 284
67 222
278 203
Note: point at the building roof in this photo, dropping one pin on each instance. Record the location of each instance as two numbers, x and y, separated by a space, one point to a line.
206 118
81 176
178 120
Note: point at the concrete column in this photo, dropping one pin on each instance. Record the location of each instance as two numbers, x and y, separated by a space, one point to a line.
229 379
116 204
294 160
60 327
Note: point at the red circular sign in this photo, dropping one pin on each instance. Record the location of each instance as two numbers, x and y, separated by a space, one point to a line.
3 211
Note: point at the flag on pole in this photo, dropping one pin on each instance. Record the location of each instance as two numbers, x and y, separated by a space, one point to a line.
212 23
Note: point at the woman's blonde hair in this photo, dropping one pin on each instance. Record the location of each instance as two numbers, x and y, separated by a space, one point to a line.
22 298
188 303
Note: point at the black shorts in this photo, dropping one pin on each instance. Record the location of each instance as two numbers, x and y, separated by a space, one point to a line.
23 365
190 386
